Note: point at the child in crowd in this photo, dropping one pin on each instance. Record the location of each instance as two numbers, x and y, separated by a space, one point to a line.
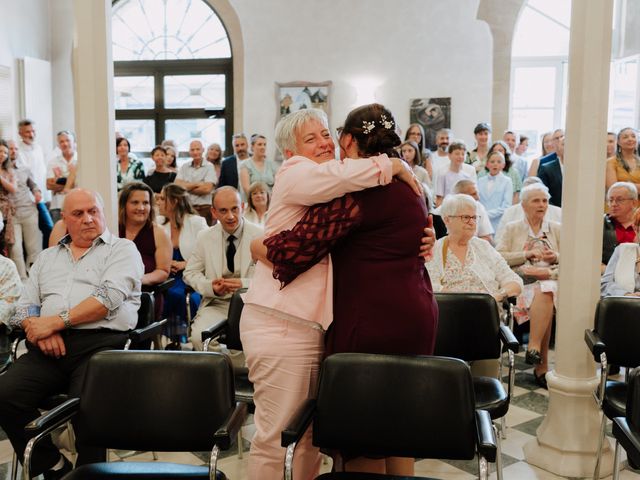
495 189
446 180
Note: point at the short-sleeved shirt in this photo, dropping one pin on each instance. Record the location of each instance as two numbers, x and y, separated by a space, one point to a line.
204 173
58 167
447 180
157 180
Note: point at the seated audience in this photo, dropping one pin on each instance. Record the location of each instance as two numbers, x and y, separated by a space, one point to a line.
495 189
551 172
257 168
214 157
484 229
258 199
8 186
515 212
548 147
231 165
411 154
128 169
415 133
182 223
512 140
530 246
552 155
619 227
10 289
221 262
478 156
522 147
66 326
445 180
462 262
25 221
621 277
61 172
199 179
162 174
625 165
508 170
136 222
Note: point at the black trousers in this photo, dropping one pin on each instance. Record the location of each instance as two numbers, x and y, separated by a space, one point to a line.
35 376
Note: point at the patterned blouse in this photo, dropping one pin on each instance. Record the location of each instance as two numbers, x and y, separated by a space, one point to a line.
134 173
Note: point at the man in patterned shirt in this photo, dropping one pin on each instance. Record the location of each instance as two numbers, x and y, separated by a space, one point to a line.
81 297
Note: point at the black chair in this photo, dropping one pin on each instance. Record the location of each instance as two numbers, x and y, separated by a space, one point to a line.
614 340
124 395
469 328
147 331
626 430
227 332
390 405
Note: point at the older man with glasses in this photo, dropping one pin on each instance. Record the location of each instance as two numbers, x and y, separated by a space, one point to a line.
622 200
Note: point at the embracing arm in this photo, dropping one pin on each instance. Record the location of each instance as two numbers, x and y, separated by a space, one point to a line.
295 251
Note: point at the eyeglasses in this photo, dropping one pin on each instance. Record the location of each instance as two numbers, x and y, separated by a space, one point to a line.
466 218
611 201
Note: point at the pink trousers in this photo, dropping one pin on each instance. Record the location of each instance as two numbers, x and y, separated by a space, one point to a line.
284 361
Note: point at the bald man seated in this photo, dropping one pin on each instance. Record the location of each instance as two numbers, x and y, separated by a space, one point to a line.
221 262
82 296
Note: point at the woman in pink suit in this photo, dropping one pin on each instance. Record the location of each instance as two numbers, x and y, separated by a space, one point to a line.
282 331
382 296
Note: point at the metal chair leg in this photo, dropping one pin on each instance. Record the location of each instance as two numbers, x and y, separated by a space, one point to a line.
498 453
603 428
503 427
616 462
155 456
240 452
14 467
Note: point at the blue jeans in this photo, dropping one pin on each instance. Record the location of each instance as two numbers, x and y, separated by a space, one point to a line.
45 224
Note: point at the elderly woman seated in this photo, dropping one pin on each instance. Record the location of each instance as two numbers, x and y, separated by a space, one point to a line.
622 275
462 262
531 247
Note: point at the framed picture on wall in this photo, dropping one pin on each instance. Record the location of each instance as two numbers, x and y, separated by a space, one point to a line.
433 114
294 96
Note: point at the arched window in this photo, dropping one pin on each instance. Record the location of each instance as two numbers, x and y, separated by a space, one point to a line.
173 73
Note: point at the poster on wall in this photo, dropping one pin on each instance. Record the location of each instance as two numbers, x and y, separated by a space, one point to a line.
433 114
294 96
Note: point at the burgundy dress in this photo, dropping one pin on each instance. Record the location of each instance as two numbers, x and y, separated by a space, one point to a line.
383 300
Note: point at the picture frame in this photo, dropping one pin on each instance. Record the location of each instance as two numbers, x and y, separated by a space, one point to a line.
294 96
433 114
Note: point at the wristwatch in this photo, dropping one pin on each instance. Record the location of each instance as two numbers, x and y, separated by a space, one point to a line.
64 315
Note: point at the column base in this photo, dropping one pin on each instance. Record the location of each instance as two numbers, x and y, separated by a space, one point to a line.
567 440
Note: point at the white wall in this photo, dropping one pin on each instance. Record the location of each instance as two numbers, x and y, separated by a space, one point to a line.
412 48
25 32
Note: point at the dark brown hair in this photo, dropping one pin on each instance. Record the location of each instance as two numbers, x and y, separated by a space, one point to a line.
374 129
123 198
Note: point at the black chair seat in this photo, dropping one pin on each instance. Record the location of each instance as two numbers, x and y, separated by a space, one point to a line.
615 399
147 470
366 476
491 396
629 440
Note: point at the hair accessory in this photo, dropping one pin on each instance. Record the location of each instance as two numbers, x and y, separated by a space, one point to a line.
368 127
388 124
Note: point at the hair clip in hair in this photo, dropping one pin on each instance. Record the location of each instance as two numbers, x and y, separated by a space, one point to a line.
368 127
388 124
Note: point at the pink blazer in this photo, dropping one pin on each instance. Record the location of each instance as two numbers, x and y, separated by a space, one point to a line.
300 183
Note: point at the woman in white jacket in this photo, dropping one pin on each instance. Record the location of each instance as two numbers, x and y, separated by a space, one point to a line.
183 224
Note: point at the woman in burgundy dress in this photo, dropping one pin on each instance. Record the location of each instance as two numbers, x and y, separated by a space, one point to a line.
383 301
136 223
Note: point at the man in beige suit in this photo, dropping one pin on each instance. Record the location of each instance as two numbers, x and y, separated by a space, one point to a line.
221 262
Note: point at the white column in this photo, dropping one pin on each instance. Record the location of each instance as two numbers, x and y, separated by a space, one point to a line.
93 94
567 439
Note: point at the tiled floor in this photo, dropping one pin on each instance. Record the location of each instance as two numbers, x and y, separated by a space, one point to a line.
525 416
